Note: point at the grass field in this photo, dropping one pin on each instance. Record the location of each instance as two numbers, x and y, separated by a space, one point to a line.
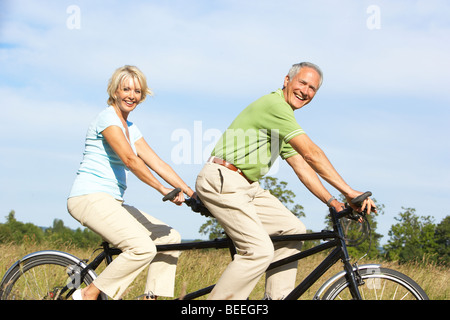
200 268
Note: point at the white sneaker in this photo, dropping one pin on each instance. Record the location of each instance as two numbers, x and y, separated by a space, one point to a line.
77 295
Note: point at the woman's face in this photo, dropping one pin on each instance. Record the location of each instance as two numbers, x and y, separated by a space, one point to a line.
128 95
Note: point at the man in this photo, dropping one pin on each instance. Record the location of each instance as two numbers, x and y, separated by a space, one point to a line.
228 185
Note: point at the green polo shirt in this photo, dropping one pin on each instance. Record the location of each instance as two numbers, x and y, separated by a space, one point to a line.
258 135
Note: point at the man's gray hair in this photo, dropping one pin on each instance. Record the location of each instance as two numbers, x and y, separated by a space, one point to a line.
298 66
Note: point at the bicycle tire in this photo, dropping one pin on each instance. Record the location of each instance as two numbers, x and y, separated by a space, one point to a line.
40 276
378 284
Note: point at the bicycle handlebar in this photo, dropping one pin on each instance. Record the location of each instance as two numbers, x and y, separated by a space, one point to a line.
359 199
197 206
172 194
349 213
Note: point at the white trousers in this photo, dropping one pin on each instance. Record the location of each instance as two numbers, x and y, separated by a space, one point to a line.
135 233
249 216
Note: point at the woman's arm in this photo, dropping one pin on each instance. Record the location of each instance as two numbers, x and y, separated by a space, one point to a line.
116 139
151 159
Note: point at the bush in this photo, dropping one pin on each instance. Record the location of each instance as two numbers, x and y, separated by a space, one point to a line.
17 232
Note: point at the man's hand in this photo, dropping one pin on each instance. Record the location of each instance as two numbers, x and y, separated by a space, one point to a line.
339 206
367 204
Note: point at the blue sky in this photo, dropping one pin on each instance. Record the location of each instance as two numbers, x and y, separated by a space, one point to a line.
382 114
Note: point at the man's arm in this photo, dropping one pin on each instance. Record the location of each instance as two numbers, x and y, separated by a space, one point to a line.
318 161
311 181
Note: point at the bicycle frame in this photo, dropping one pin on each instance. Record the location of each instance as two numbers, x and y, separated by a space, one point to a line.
335 240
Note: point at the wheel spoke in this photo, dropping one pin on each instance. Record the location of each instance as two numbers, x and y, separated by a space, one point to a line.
41 277
380 285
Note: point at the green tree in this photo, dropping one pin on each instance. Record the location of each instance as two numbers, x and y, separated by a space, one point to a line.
212 228
411 238
16 231
361 239
58 235
442 237
62 235
279 189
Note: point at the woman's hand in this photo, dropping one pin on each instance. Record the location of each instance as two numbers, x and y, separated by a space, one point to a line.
178 200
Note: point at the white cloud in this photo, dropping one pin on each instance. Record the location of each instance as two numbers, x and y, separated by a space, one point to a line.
240 48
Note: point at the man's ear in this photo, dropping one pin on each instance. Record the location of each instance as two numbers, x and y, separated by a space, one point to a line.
286 81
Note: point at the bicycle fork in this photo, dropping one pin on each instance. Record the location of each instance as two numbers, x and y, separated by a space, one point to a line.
354 280
353 277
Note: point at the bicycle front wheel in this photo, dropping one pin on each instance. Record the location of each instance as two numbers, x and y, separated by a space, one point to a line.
49 275
379 284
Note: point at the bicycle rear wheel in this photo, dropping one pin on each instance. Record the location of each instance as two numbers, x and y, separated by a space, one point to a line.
42 276
378 284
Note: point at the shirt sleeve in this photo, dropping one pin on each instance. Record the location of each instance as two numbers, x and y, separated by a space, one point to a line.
107 119
287 151
135 133
281 118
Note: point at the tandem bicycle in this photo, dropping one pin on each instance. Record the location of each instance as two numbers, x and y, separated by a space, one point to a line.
55 275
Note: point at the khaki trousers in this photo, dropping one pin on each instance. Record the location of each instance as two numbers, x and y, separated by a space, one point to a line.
249 215
135 233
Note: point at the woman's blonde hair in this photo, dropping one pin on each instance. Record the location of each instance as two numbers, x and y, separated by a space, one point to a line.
120 75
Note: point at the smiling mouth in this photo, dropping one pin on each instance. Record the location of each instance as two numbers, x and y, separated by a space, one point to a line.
299 97
129 103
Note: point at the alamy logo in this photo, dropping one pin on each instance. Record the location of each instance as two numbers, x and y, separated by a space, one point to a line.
237 146
373 22
74 19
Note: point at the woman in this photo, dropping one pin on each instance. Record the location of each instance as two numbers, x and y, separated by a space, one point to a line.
113 147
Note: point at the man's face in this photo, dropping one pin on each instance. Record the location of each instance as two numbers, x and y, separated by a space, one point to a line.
300 90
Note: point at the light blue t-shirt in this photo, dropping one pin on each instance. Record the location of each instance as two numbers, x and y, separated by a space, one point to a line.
101 170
